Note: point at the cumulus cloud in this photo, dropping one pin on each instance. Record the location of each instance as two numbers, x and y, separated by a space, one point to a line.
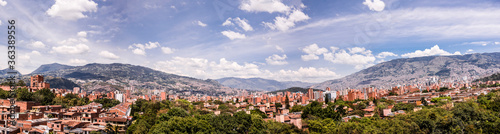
358 56
3 3
228 22
27 56
71 49
203 68
435 50
312 52
375 5
307 74
37 44
276 60
269 6
140 49
284 23
108 55
243 23
385 54
167 50
82 34
233 35
72 9
201 24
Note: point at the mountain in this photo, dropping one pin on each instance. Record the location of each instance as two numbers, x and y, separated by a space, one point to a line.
260 84
420 69
3 73
293 90
62 83
50 67
493 77
117 76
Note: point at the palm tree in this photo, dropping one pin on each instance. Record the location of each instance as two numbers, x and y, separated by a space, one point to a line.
110 129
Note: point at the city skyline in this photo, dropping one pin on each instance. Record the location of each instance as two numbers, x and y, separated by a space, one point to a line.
289 40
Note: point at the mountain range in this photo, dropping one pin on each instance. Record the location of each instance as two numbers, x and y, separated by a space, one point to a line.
418 70
117 76
260 84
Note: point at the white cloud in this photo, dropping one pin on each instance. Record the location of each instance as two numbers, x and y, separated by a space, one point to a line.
385 54
435 50
312 52
78 61
139 51
269 6
470 50
242 23
201 24
279 49
309 57
203 68
307 74
151 45
375 5
481 43
82 34
228 22
27 56
360 57
72 9
233 35
276 60
285 23
37 44
70 49
0 22
167 50
108 55
3 3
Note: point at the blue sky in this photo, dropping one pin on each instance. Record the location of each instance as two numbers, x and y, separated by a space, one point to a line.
286 40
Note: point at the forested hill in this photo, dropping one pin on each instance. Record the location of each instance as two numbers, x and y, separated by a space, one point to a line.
493 77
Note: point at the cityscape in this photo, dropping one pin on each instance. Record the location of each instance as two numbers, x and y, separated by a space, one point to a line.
249 66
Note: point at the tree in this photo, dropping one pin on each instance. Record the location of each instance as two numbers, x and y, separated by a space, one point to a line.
110 129
277 106
244 121
257 124
44 96
297 108
106 103
139 127
24 95
424 102
4 94
21 83
312 109
287 102
259 113
176 111
224 123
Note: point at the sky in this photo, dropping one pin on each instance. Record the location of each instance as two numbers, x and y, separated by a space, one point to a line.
284 40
